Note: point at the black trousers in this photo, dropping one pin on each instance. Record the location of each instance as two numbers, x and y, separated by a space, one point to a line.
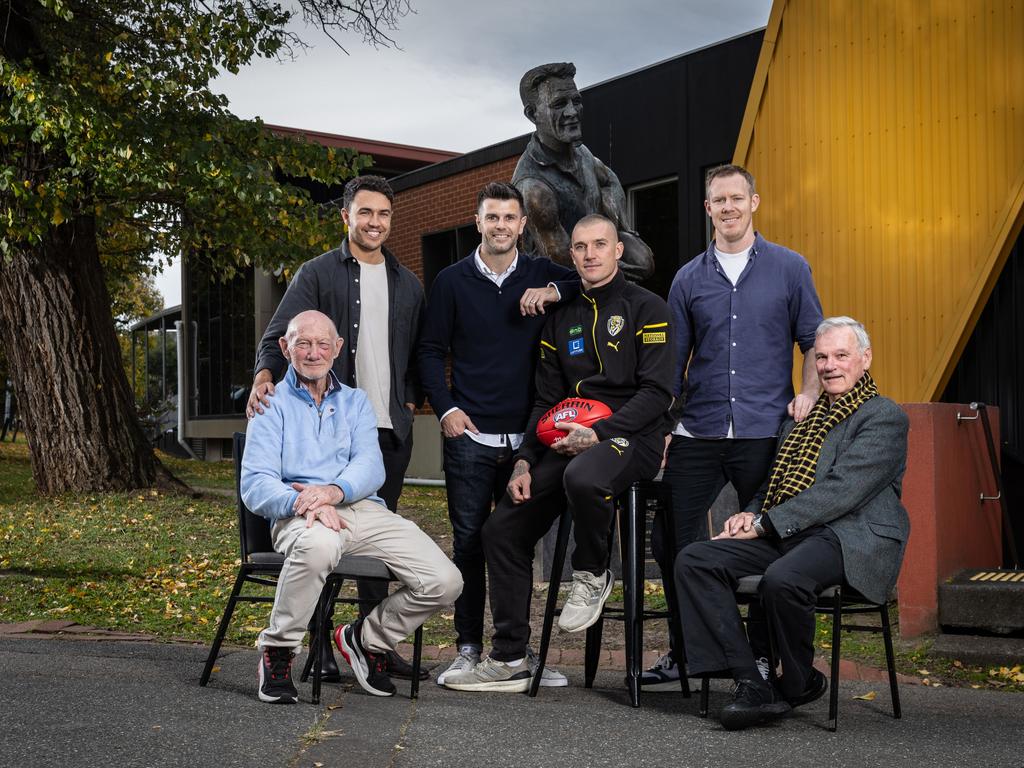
396 454
696 471
588 484
795 570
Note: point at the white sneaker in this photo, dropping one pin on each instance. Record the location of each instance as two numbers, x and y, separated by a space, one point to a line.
585 601
491 675
663 676
551 677
469 657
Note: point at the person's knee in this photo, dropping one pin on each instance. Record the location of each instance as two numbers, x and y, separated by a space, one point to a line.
318 548
580 484
442 584
780 580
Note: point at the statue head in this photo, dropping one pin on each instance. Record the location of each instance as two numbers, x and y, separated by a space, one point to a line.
553 104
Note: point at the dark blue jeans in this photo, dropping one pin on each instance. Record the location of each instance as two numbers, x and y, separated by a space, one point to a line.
476 476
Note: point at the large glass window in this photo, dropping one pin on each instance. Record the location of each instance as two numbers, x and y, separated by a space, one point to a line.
223 339
441 249
655 210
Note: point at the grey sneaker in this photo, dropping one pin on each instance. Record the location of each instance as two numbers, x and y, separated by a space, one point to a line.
491 675
551 677
586 598
469 657
663 676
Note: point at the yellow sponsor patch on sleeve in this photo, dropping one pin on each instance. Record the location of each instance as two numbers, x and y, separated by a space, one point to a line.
653 337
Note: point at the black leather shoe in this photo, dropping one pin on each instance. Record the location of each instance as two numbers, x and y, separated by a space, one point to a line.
329 672
755 702
400 668
814 689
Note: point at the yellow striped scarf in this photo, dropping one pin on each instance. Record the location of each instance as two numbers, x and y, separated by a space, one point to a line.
797 459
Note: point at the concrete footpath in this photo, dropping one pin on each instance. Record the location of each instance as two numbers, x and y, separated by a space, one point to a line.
123 703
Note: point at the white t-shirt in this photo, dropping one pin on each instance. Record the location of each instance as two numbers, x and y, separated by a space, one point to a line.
373 353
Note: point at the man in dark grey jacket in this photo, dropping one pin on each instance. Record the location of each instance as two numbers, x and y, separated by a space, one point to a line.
829 514
377 306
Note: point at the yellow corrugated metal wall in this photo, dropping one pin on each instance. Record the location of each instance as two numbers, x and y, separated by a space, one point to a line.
887 139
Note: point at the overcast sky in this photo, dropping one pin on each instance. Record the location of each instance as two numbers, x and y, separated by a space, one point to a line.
454 84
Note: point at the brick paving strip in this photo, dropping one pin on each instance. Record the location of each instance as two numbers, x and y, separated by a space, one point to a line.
611 659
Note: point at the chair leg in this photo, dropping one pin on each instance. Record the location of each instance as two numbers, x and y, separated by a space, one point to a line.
417 656
668 584
890 660
327 596
222 628
705 691
557 562
633 594
837 636
592 653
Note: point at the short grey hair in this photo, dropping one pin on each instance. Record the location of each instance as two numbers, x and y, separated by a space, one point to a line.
834 323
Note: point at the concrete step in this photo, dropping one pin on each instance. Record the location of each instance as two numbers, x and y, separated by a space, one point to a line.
988 602
979 650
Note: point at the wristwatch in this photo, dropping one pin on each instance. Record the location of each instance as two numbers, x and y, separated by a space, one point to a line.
759 528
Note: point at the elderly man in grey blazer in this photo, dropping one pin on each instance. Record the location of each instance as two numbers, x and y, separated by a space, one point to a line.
828 514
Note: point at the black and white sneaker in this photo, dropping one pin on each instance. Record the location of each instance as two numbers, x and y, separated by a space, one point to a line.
663 676
371 669
275 675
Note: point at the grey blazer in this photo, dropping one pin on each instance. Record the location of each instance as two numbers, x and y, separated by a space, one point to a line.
856 493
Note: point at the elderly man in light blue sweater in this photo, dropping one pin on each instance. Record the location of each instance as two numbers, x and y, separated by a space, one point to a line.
312 464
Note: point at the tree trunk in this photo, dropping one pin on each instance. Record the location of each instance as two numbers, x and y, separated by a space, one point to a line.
73 394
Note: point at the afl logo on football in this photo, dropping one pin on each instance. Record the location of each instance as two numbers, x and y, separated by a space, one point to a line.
615 324
566 414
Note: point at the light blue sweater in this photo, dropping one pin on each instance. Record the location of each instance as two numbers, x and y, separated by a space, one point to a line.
295 441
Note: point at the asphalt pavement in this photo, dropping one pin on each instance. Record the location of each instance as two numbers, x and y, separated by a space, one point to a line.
127 704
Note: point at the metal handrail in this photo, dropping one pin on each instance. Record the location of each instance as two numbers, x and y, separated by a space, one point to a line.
1000 496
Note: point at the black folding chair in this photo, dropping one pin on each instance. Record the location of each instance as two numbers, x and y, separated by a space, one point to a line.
261 565
837 601
631 509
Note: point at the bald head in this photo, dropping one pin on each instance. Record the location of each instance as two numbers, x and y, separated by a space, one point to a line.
311 345
312 320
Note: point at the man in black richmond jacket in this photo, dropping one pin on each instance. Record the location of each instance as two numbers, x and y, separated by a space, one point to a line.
612 344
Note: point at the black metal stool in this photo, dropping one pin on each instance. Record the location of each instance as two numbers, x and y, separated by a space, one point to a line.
631 509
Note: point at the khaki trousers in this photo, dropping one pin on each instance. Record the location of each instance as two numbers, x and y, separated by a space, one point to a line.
429 579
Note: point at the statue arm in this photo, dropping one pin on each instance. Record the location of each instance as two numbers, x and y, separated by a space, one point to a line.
542 219
613 197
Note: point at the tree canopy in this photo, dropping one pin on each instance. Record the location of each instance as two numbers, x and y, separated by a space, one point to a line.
114 144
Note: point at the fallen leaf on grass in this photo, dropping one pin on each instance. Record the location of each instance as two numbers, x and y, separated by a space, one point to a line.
869 696
957 663
923 672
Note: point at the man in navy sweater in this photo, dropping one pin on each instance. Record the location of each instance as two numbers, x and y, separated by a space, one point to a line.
487 311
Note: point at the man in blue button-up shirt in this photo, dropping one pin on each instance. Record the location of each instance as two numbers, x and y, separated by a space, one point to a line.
737 309
312 465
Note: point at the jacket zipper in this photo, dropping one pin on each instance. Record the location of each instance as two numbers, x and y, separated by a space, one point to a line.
593 338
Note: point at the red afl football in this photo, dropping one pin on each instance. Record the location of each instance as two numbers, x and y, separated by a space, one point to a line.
573 409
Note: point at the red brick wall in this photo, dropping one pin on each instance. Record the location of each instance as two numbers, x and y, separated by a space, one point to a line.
437 206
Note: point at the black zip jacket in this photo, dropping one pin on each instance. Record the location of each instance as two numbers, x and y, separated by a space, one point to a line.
610 344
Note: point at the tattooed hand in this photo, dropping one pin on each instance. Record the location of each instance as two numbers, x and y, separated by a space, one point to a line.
519 483
577 441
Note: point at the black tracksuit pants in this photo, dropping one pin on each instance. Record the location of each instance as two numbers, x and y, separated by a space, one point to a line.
588 484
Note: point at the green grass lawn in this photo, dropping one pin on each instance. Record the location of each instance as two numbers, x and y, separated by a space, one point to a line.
163 564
